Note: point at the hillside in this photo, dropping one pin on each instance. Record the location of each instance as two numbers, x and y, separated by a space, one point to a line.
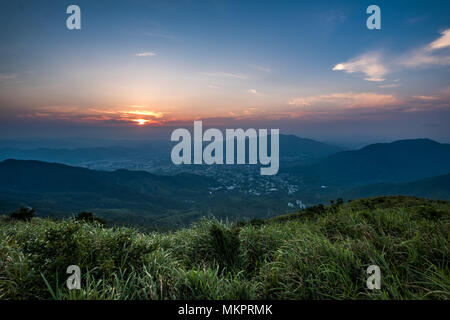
399 161
128 196
431 188
123 196
318 253
31 175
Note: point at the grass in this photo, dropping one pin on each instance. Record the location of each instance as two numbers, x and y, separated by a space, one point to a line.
319 253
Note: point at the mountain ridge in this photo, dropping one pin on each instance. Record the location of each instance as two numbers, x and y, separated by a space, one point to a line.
398 161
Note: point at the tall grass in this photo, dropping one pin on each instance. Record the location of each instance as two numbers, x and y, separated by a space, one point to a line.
318 253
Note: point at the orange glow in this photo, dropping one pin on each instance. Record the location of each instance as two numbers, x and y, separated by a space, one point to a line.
141 122
144 113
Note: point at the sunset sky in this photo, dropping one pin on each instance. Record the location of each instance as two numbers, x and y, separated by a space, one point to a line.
309 68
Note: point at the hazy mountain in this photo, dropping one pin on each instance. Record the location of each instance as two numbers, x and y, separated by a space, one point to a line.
292 148
79 155
379 169
431 188
399 161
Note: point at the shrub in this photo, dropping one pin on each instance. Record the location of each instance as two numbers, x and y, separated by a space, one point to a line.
89 217
24 214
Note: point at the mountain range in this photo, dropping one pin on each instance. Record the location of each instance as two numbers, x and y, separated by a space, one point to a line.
292 148
399 161
406 167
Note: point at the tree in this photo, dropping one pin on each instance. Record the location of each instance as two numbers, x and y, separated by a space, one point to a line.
24 214
89 217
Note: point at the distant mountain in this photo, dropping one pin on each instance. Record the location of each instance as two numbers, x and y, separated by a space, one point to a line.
432 188
293 146
79 155
292 149
399 161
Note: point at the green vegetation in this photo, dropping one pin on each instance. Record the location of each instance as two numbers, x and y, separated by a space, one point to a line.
319 253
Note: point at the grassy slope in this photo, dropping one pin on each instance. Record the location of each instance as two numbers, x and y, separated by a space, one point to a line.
319 253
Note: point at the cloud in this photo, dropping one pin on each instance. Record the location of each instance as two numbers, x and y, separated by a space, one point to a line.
83 114
225 75
423 58
375 68
369 64
262 69
438 101
426 98
348 100
440 43
8 76
145 54
143 113
431 54
392 85
159 35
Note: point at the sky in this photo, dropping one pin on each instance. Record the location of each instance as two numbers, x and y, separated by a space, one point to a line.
139 69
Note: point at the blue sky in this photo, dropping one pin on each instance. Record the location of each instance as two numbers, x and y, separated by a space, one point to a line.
310 68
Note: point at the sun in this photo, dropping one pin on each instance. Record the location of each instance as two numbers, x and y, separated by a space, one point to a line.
141 122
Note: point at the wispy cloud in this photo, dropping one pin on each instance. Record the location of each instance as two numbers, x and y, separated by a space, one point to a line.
145 54
139 114
442 42
431 54
375 67
143 113
262 68
386 86
368 64
422 58
225 75
8 76
160 35
426 98
253 91
346 100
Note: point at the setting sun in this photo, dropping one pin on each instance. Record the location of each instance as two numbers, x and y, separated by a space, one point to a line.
141 122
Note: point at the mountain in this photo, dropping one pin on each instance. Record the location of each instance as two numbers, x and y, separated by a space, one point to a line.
137 197
291 145
292 148
431 188
50 187
144 150
399 161
31 175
